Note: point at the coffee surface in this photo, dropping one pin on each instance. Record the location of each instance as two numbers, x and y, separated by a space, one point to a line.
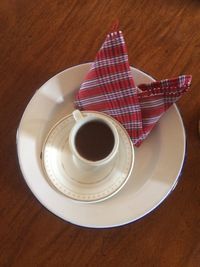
94 140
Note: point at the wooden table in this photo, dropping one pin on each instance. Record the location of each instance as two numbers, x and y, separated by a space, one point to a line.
42 38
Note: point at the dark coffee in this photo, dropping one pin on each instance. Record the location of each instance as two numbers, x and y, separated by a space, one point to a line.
94 140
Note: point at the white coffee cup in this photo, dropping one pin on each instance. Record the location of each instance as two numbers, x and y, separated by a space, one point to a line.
80 121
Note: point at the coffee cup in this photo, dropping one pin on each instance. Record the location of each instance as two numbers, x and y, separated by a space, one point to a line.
93 140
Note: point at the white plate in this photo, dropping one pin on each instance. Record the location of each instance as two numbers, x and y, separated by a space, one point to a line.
80 184
158 161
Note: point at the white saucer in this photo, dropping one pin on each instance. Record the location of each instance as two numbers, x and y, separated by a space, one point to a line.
158 161
75 182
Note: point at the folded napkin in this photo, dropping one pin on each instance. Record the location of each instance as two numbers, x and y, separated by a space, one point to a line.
109 87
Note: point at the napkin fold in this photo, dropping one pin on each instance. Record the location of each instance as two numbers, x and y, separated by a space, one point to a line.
109 87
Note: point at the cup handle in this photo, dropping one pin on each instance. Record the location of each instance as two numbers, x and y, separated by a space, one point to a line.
77 115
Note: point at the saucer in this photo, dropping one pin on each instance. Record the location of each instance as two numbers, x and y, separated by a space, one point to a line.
156 169
75 182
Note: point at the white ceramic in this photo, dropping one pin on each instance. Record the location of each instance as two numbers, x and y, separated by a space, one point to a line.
77 182
80 121
158 161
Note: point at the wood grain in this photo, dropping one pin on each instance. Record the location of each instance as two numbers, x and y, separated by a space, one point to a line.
41 38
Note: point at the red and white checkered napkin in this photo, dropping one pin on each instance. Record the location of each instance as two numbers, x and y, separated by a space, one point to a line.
109 87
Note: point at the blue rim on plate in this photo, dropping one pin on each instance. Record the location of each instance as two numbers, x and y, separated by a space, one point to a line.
150 182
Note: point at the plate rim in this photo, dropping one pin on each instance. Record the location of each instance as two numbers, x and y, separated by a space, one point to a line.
176 180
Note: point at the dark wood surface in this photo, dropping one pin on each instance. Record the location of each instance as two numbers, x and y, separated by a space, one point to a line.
41 38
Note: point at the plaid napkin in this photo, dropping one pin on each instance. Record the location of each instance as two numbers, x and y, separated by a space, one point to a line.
109 87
